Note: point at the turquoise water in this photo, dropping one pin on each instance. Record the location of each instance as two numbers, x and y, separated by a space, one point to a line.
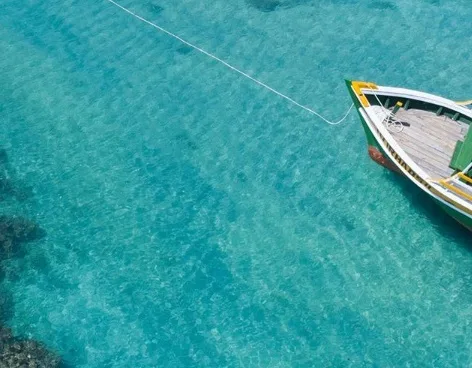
195 219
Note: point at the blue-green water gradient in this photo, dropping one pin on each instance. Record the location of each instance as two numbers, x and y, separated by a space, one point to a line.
195 219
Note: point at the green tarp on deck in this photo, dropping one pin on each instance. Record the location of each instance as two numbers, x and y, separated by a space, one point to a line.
462 156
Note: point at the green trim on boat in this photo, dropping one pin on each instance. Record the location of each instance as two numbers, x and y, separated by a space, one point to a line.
454 165
456 215
462 156
371 141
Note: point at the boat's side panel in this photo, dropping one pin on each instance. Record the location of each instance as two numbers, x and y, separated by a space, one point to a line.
459 217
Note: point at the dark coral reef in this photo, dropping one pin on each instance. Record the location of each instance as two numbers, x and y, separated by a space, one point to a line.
16 352
15 230
19 353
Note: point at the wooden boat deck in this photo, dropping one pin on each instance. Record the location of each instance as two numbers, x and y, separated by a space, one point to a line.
430 140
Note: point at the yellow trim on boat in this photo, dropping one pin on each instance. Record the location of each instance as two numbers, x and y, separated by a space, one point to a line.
357 85
445 198
465 177
464 103
455 190
451 201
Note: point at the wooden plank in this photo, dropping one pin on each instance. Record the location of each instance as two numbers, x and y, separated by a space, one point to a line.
439 139
443 153
435 131
425 155
433 170
433 122
430 124
429 139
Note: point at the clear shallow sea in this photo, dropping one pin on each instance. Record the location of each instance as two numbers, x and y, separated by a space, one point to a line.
197 220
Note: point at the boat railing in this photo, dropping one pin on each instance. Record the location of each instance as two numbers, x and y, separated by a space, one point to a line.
459 184
465 178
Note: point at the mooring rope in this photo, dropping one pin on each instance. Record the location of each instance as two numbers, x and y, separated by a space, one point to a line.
232 67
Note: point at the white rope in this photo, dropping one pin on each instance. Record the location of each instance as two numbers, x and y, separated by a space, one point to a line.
232 67
390 122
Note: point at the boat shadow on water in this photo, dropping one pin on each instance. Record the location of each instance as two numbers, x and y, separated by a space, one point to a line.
445 224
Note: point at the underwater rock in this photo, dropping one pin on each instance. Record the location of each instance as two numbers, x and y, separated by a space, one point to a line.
184 50
6 337
186 141
15 230
15 353
154 8
272 5
383 5
265 5
8 187
3 156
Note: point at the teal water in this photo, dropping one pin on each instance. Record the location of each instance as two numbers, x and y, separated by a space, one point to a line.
196 220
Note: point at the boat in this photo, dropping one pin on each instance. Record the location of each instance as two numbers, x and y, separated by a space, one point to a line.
424 137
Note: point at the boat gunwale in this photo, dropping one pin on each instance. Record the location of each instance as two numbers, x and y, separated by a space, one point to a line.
419 96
